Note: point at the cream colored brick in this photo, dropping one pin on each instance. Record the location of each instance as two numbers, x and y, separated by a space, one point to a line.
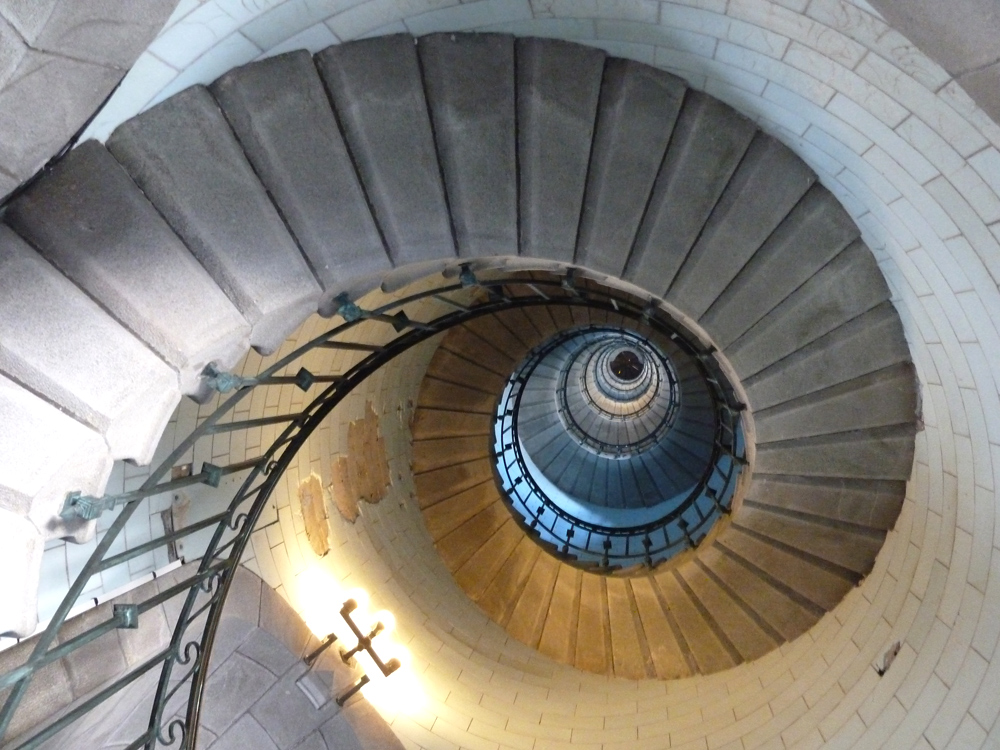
968 734
888 684
988 629
406 728
871 651
958 701
807 725
960 638
543 744
854 695
923 667
769 734
878 734
658 743
911 729
982 550
718 723
985 707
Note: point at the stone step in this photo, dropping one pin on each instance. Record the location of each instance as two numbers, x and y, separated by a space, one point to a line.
500 597
459 546
477 572
688 450
708 142
186 159
696 417
440 394
772 605
667 475
544 380
593 632
434 485
281 114
559 633
859 502
448 514
522 327
553 451
636 114
411 146
851 548
685 366
496 334
665 652
71 352
684 467
558 86
848 286
877 453
538 415
583 484
439 423
469 84
694 625
474 348
805 579
628 641
810 237
737 626
639 486
541 318
437 454
537 412
768 183
90 220
33 487
460 370
870 342
21 548
33 483
378 95
562 315
884 397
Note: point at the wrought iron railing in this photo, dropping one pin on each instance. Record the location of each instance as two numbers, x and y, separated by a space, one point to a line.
682 522
182 663
657 409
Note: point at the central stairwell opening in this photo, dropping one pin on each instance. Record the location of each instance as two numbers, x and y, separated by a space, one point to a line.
613 453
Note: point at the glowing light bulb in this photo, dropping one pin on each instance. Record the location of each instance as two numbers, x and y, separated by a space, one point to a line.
399 693
387 618
320 602
361 599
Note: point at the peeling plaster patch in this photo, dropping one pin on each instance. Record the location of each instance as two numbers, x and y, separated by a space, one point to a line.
363 474
314 514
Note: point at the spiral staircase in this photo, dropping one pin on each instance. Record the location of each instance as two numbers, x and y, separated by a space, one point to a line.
223 216
789 553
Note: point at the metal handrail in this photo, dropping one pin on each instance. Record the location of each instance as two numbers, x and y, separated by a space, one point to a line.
194 633
600 446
